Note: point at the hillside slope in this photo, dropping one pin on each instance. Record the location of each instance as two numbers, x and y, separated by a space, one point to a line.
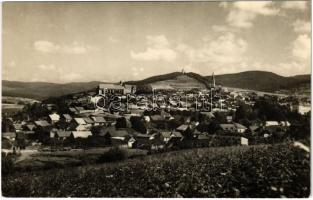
261 81
280 170
178 81
253 80
42 90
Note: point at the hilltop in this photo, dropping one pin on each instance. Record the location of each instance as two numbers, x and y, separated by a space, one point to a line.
175 80
262 81
173 76
42 90
252 80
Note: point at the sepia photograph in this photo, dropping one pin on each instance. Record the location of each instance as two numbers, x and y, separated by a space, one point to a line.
158 99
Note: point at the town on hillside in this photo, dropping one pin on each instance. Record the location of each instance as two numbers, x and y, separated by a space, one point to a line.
158 99
155 118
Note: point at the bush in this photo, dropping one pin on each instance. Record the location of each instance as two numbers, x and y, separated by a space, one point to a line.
121 123
7 164
112 155
138 124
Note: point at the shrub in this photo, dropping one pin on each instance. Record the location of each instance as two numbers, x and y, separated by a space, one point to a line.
112 155
7 164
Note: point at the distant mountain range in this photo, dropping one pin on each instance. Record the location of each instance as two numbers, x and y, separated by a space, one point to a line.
252 80
42 90
262 81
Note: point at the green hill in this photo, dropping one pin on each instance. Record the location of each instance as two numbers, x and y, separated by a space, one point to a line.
261 81
175 80
253 80
170 76
42 90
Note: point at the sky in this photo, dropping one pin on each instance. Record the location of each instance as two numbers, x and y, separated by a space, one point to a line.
111 41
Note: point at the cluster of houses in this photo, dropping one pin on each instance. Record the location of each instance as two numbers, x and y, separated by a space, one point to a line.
85 124
67 128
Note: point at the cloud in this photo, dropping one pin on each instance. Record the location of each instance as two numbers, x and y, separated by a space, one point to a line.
243 13
46 67
190 68
55 74
300 57
113 39
39 79
224 4
69 77
12 63
158 49
49 47
137 71
301 26
298 61
302 47
261 7
158 41
219 28
75 49
46 46
225 49
295 5
293 68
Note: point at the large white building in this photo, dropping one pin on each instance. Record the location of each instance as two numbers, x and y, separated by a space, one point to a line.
110 88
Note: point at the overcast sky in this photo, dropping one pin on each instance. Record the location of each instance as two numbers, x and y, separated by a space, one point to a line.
105 41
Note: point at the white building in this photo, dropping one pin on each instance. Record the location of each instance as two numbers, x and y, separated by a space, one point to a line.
303 109
54 117
109 88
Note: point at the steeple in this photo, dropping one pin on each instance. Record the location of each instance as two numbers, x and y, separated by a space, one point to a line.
213 80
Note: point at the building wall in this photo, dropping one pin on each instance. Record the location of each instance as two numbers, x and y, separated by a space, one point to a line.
303 109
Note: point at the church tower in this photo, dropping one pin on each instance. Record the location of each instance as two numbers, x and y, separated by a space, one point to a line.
213 80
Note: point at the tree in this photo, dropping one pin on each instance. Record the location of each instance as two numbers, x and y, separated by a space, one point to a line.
220 117
243 112
60 104
43 135
35 111
7 125
244 122
173 124
95 130
121 122
213 127
143 89
203 127
138 124
270 110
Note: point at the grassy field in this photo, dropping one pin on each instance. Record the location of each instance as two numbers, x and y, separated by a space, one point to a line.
280 170
180 82
11 108
11 105
61 159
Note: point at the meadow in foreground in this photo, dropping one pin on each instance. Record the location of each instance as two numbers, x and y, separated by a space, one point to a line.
280 170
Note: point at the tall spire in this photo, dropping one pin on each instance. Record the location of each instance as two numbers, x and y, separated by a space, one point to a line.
213 80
